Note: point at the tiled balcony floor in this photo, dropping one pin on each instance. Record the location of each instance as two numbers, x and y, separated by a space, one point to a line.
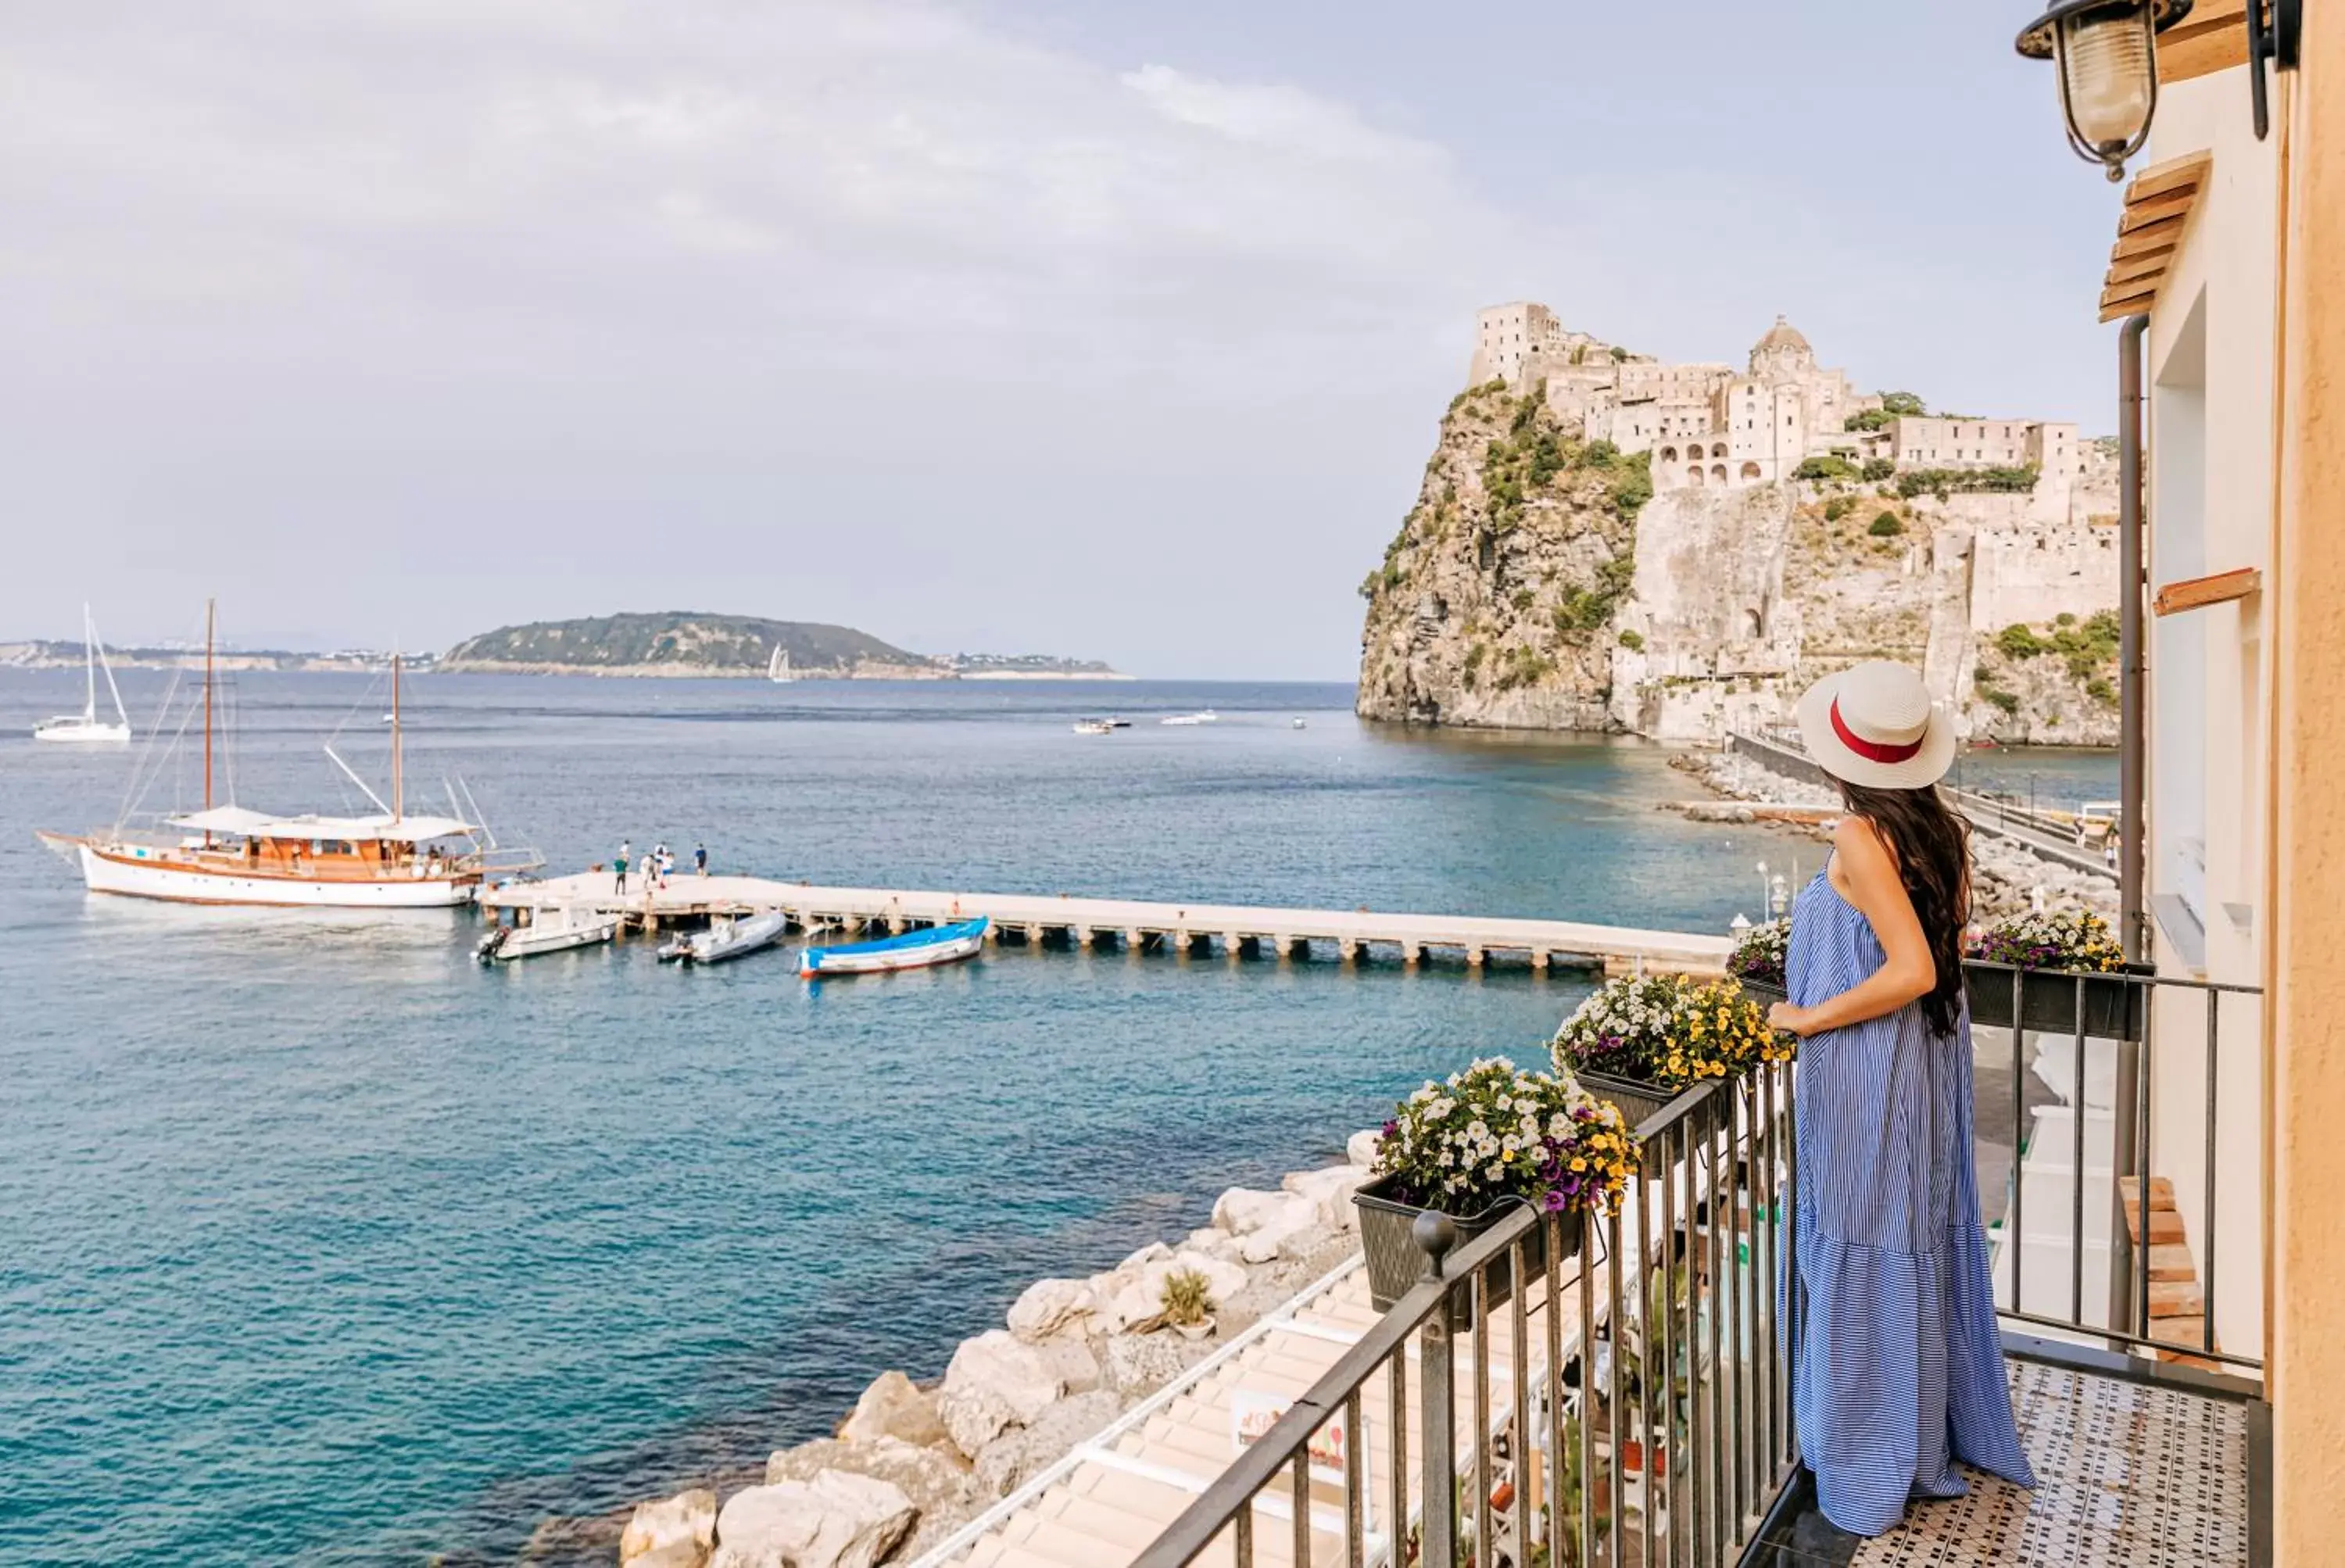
2129 1476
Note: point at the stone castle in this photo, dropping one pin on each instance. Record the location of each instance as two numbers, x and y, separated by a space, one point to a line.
1793 525
1712 425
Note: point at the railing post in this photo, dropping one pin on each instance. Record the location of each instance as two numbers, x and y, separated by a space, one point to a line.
1436 1235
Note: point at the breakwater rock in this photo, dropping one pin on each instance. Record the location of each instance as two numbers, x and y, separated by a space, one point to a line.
2007 878
913 1462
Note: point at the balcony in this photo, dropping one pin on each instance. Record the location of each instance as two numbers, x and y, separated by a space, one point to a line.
1630 1405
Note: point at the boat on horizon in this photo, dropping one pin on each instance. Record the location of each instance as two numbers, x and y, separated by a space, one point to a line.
1204 716
228 853
777 668
1094 726
913 950
85 727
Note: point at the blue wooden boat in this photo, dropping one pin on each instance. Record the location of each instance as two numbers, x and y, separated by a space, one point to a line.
913 950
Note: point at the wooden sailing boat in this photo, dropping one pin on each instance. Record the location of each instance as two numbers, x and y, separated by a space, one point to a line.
85 727
232 854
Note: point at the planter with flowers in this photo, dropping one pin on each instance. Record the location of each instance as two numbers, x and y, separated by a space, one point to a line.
2041 956
1488 1140
1758 959
1644 1039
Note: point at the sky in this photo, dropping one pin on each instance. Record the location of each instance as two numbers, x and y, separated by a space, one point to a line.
1082 327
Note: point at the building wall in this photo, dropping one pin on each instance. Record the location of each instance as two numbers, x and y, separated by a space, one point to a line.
2209 489
2308 1044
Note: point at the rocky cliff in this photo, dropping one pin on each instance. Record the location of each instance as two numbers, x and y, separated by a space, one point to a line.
1539 583
1494 605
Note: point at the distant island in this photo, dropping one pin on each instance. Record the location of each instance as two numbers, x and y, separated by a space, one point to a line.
49 653
697 644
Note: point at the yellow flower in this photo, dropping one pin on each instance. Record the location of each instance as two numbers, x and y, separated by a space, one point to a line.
1578 1164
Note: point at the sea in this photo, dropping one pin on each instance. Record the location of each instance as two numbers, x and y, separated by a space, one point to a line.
321 1244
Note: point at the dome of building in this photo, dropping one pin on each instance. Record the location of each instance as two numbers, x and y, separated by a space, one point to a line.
1782 335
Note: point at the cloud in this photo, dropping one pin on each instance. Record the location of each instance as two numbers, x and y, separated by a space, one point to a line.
496 276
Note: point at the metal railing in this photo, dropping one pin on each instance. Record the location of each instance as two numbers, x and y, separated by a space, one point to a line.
2161 1039
1625 1396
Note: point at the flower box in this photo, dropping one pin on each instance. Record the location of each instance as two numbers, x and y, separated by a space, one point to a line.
1396 1262
2115 1009
1765 992
1636 1099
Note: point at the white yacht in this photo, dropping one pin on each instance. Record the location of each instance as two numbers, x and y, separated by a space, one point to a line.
85 727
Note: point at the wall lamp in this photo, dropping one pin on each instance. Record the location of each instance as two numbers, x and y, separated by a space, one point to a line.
2106 53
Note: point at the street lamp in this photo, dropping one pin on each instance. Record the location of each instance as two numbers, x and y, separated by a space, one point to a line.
2106 52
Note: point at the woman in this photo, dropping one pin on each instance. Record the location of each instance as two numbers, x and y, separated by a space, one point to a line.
1897 1371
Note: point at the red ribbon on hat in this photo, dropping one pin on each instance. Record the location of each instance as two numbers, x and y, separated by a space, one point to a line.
1872 751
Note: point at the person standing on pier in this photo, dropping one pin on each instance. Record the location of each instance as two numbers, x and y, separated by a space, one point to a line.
1896 1367
645 869
700 860
620 866
666 862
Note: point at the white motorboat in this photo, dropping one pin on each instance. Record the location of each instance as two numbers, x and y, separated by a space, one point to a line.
728 939
1206 717
575 928
85 727
1093 727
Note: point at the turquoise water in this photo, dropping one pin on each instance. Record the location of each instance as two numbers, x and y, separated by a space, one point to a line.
320 1245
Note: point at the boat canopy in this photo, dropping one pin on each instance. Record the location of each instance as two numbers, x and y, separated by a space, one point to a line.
224 819
265 825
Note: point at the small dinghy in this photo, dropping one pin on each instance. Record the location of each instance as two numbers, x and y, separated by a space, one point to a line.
575 928
913 950
727 939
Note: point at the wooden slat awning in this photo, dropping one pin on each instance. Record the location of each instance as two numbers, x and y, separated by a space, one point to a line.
2213 38
2149 232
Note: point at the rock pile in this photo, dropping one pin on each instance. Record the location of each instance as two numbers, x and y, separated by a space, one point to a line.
910 1465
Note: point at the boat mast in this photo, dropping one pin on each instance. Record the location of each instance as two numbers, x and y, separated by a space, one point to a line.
396 799
209 606
89 667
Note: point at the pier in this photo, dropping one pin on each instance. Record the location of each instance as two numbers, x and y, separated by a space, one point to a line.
1235 931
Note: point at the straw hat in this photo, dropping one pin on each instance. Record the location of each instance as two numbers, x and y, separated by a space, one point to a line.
1873 724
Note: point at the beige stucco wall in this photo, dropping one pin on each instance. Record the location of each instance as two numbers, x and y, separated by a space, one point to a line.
2307 1106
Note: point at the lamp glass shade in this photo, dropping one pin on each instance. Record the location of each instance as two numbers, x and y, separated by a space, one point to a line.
2106 61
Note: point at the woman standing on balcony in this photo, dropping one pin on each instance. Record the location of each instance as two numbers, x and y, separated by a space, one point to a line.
1897 1371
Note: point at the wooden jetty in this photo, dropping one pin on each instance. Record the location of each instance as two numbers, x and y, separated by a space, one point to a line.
1197 930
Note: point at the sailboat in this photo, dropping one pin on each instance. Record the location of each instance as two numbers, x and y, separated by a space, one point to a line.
777 668
232 854
85 727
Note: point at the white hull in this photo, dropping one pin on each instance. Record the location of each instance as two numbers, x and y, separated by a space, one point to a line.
132 877
903 958
532 941
736 939
81 732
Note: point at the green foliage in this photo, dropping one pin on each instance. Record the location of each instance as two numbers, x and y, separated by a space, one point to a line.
1618 354
1632 485
1587 609
2018 641
1187 1297
1838 507
1871 419
684 637
2101 691
1632 642
1943 481
1825 468
1579 353
2006 700
1887 526
1896 402
2065 618
1877 469
1524 666
1522 600
1474 657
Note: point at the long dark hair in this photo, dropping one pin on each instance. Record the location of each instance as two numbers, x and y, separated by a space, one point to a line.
1932 844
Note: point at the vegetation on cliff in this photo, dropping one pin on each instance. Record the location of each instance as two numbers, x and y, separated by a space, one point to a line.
2054 682
1491 601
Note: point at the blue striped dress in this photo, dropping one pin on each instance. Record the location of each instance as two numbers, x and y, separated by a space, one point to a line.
1897 1371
